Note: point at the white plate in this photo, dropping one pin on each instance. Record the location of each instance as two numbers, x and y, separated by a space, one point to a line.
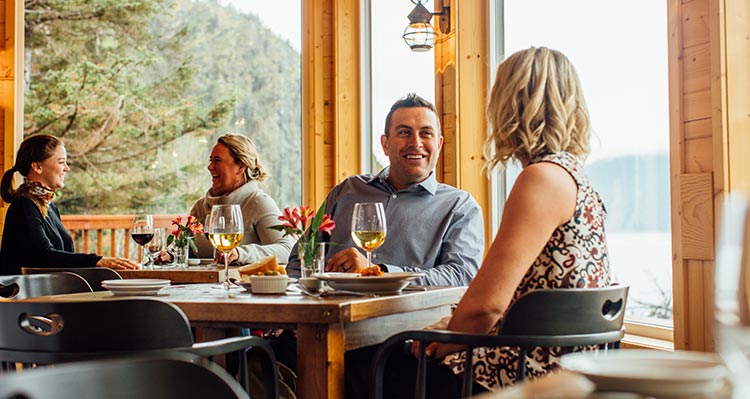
651 372
389 283
141 292
137 282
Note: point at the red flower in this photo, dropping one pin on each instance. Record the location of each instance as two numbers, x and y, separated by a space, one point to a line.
327 225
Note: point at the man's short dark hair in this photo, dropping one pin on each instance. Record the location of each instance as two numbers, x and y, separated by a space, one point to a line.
411 100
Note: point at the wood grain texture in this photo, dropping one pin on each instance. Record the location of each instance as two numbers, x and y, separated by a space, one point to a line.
695 24
696 208
737 30
697 62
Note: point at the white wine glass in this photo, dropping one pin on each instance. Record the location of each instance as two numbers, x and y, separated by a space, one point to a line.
368 226
225 231
142 232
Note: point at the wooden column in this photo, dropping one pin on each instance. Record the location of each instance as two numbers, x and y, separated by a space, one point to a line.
709 74
462 56
7 92
330 95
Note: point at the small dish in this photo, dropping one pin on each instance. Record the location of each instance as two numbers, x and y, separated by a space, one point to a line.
194 262
311 283
269 284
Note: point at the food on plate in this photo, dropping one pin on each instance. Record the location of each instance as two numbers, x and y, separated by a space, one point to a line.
370 271
264 267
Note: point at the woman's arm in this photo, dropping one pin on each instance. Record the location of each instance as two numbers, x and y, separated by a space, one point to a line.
543 198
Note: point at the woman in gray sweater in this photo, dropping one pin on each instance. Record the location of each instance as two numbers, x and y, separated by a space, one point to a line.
236 174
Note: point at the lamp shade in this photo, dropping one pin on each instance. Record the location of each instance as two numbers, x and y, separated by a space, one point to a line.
419 36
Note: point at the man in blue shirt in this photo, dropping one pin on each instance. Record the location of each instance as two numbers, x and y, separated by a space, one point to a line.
433 228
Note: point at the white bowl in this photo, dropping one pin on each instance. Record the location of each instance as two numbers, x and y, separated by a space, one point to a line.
269 284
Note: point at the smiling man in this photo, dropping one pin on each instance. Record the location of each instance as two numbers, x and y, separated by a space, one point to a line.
432 227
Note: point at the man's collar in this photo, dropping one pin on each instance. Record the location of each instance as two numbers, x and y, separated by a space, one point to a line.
429 184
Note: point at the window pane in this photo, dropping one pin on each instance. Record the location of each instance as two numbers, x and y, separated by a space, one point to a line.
396 70
623 69
140 92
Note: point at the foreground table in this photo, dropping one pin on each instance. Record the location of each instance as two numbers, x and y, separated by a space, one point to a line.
326 327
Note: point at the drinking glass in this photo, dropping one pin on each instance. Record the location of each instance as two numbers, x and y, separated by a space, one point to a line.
155 246
368 226
225 231
142 232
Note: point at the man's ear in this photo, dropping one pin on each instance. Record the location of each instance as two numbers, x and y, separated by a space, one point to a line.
383 143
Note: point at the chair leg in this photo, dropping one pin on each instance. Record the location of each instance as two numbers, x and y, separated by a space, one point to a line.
521 375
420 389
467 380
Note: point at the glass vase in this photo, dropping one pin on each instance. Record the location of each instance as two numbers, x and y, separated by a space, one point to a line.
311 263
181 255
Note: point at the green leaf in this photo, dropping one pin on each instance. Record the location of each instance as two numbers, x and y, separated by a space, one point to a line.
170 239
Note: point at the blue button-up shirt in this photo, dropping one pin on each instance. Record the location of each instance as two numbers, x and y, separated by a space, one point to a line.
432 228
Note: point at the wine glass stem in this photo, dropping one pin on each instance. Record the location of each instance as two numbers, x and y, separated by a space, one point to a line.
369 263
226 270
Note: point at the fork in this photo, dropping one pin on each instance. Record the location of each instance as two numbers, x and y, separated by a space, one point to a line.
324 293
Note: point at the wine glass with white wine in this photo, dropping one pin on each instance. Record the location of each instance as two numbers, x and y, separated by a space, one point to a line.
225 231
368 226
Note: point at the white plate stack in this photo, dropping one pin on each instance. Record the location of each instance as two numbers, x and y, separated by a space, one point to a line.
145 286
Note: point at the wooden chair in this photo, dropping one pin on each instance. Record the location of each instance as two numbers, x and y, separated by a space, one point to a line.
56 332
169 376
22 287
541 318
93 275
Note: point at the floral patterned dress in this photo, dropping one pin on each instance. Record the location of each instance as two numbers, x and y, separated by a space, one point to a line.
575 257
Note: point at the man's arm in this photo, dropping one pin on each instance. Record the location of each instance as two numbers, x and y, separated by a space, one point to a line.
461 250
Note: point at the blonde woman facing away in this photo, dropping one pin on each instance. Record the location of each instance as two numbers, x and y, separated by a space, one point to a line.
33 235
236 174
551 234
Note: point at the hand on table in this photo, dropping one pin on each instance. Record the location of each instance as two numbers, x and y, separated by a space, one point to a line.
117 263
349 261
233 256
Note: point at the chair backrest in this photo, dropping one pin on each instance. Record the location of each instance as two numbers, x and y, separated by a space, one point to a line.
541 318
93 275
596 313
52 332
173 376
22 287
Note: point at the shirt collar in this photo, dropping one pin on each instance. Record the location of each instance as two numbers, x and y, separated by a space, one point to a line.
429 184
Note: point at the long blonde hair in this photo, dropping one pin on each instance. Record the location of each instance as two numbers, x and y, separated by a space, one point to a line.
536 107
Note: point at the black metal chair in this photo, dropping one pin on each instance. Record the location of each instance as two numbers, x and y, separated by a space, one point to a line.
542 318
22 287
56 332
93 275
169 376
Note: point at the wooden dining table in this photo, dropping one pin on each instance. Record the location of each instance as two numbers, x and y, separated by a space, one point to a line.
326 327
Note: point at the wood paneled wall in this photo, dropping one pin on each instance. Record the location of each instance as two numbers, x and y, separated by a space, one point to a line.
709 71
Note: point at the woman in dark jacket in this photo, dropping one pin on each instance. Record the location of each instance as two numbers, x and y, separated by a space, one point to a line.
33 235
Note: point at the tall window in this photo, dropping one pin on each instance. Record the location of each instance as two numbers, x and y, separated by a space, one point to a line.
141 91
395 69
623 69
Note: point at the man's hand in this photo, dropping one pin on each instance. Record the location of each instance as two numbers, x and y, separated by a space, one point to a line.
348 260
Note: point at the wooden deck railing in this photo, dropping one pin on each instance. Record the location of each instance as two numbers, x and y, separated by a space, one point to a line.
110 233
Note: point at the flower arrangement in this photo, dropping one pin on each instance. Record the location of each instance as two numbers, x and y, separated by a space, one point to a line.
184 234
304 225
